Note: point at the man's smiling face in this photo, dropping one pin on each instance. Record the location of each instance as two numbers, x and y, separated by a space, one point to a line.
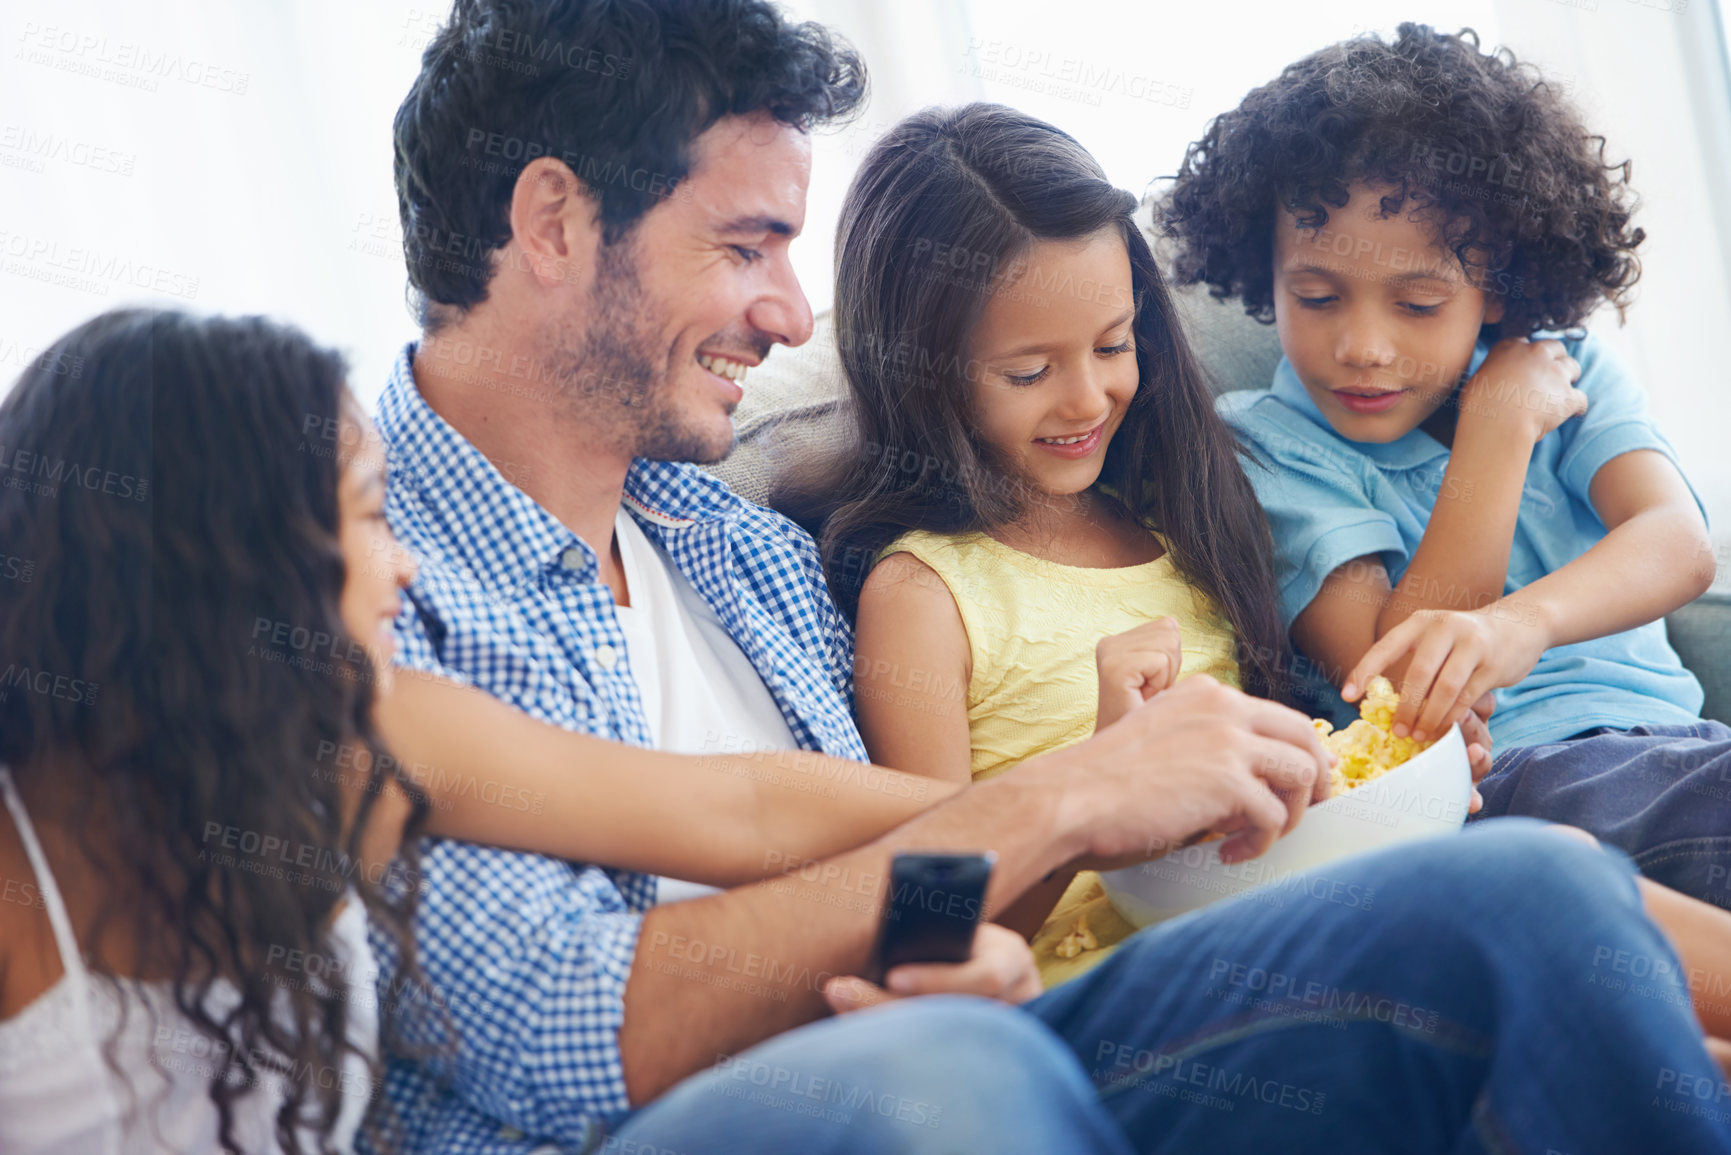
697 293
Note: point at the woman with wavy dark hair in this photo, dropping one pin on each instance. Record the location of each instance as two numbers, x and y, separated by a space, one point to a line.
161 739
196 595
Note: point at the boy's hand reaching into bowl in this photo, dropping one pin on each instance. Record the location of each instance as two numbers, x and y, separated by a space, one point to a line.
1456 658
1134 666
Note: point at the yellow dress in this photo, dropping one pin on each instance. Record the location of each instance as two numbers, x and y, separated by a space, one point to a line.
1032 628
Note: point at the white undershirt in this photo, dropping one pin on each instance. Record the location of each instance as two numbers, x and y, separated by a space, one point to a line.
701 694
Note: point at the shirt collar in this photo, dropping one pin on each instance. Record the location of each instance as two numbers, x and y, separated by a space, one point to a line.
431 460
1414 449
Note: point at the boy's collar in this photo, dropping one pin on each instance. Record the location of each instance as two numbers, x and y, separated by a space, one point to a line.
1416 448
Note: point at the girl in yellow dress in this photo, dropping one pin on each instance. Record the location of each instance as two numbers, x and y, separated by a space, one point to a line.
1055 522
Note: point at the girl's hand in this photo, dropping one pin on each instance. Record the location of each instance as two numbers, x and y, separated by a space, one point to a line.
1529 384
1001 967
1457 657
1134 666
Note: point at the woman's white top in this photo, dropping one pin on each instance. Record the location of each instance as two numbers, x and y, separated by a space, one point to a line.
59 1095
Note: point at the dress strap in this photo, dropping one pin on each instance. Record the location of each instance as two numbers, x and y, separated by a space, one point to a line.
77 978
70 956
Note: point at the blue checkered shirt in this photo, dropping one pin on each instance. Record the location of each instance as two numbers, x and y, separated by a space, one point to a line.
530 955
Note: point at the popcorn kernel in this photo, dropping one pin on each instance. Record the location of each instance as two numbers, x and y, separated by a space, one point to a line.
1366 749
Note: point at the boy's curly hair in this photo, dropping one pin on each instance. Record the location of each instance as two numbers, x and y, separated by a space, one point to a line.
1525 198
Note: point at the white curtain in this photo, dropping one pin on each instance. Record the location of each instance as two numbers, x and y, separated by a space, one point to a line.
223 157
235 157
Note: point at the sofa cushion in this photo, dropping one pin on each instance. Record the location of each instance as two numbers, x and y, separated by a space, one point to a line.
792 406
1701 634
1236 351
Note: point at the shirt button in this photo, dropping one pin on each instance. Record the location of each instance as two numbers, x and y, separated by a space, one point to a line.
607 656
572 558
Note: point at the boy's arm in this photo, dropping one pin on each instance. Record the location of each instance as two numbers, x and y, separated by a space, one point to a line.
1520 393
1462 561
1655 556
1339 626
1646 565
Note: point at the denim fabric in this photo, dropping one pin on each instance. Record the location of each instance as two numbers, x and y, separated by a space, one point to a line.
1477 995
1661 794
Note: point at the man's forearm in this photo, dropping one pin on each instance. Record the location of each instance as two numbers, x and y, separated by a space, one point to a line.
496 775
717 975
855 802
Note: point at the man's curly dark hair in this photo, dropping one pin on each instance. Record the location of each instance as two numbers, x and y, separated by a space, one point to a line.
1519 190
617 89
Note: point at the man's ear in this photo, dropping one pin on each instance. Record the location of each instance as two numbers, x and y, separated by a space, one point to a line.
555 223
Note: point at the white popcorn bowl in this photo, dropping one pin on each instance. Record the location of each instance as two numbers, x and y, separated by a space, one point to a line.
1425 796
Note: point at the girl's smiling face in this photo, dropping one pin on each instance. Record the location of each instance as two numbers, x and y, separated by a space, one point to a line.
1053 360
1377 319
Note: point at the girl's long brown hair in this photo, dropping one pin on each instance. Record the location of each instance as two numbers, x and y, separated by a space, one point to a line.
946 204
172 650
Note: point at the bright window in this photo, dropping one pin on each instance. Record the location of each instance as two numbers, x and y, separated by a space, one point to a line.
236 157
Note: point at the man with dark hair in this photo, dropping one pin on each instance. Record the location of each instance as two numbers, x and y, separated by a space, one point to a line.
598 198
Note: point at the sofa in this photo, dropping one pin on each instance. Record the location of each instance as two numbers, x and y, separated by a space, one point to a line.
795 403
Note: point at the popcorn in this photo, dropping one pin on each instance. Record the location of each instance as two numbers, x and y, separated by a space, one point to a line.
1080 938
1366 748
1379 703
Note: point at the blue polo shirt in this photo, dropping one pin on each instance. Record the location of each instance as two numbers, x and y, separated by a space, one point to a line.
1330 500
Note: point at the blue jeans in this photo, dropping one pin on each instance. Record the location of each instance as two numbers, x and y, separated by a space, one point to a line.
1661 794
1461 995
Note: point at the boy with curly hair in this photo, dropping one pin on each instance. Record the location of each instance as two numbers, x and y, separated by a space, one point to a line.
1465 489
